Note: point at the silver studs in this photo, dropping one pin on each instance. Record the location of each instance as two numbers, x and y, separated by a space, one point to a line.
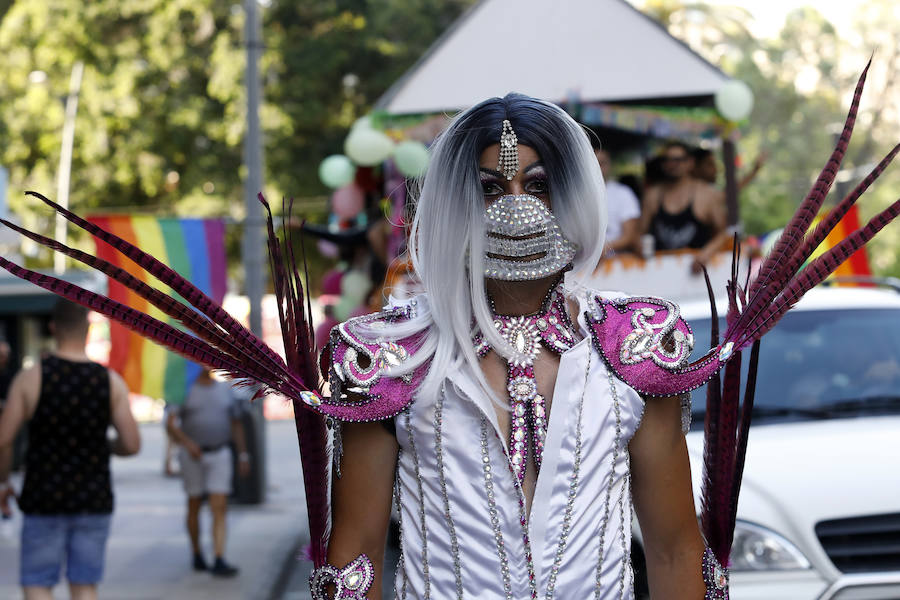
492 511
508 163
421 499
401 564
519 226
442 479
604 520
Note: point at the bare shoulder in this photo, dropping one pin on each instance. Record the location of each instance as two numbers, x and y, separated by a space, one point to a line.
708 193
651 195
118 389
25 388
28 380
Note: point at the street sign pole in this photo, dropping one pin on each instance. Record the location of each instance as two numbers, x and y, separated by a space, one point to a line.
252 241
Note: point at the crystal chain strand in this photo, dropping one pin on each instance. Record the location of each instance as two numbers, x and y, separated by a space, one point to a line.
615 456
415 455
442 479
401 566
492 510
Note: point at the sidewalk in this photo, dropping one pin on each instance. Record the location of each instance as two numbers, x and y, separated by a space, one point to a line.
148 552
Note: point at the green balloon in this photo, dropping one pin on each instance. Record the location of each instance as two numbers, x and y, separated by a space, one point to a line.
337 171
411 158
344 308
368 147
355 285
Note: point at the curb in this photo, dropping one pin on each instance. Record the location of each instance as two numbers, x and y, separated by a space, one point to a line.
279 573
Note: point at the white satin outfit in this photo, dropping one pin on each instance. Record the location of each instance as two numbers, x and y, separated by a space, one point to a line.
461 516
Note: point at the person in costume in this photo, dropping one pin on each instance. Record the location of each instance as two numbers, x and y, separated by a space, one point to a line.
518 455
515 416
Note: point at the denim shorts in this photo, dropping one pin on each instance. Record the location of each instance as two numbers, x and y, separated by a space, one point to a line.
48 541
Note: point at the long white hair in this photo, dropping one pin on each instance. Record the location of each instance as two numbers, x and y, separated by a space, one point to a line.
447 237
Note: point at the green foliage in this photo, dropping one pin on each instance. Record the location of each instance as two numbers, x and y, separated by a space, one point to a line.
161 114
158 114
327 62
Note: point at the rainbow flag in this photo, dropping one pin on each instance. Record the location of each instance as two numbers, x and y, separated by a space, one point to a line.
858 263
195 248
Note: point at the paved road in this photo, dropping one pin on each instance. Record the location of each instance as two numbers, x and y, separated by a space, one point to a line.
148 553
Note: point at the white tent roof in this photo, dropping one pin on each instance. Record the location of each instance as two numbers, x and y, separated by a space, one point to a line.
594 50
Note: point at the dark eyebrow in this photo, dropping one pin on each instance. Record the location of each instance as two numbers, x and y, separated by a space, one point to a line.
536 164
490 172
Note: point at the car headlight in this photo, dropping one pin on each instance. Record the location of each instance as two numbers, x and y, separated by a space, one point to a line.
756 548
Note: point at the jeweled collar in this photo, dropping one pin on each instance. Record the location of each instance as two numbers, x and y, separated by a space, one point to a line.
525 333
550 325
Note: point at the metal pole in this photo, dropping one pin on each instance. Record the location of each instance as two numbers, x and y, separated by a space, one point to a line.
252 241
252 249
65 161
729 153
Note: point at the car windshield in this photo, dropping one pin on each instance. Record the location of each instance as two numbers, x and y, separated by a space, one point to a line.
820 365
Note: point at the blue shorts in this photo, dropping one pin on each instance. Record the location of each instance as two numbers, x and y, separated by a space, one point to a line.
50 540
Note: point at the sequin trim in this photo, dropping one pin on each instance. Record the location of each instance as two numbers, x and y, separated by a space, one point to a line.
412 447
648 340
714 576
686 414
401 564
604 521
519 217
351 583
492 510
551 327
626 559
442 479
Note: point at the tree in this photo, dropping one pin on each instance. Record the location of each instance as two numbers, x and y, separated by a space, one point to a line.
327 63
161 114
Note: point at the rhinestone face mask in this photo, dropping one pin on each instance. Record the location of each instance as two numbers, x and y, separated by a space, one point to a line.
518 227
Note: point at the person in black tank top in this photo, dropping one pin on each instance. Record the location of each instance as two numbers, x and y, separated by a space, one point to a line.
695 216
67 496
67 435
679 230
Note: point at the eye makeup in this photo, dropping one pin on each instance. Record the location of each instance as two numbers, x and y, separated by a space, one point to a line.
534 182
491 183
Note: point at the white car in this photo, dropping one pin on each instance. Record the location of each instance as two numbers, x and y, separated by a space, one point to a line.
819 510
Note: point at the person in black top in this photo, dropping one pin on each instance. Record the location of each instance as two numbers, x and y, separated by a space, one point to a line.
683 212
69 402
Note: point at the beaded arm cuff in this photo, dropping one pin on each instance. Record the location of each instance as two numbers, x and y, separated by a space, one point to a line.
715 577
351 583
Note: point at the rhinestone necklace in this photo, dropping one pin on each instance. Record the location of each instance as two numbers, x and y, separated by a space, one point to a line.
552 328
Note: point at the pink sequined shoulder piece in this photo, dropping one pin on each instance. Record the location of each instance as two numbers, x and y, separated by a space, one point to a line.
360 359
647 344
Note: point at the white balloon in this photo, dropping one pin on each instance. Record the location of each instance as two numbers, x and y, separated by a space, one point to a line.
734 100
411 158
368 147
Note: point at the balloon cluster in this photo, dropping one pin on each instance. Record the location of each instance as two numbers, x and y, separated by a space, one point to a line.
366 146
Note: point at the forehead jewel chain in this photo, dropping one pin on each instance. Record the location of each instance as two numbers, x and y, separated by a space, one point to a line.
509 151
